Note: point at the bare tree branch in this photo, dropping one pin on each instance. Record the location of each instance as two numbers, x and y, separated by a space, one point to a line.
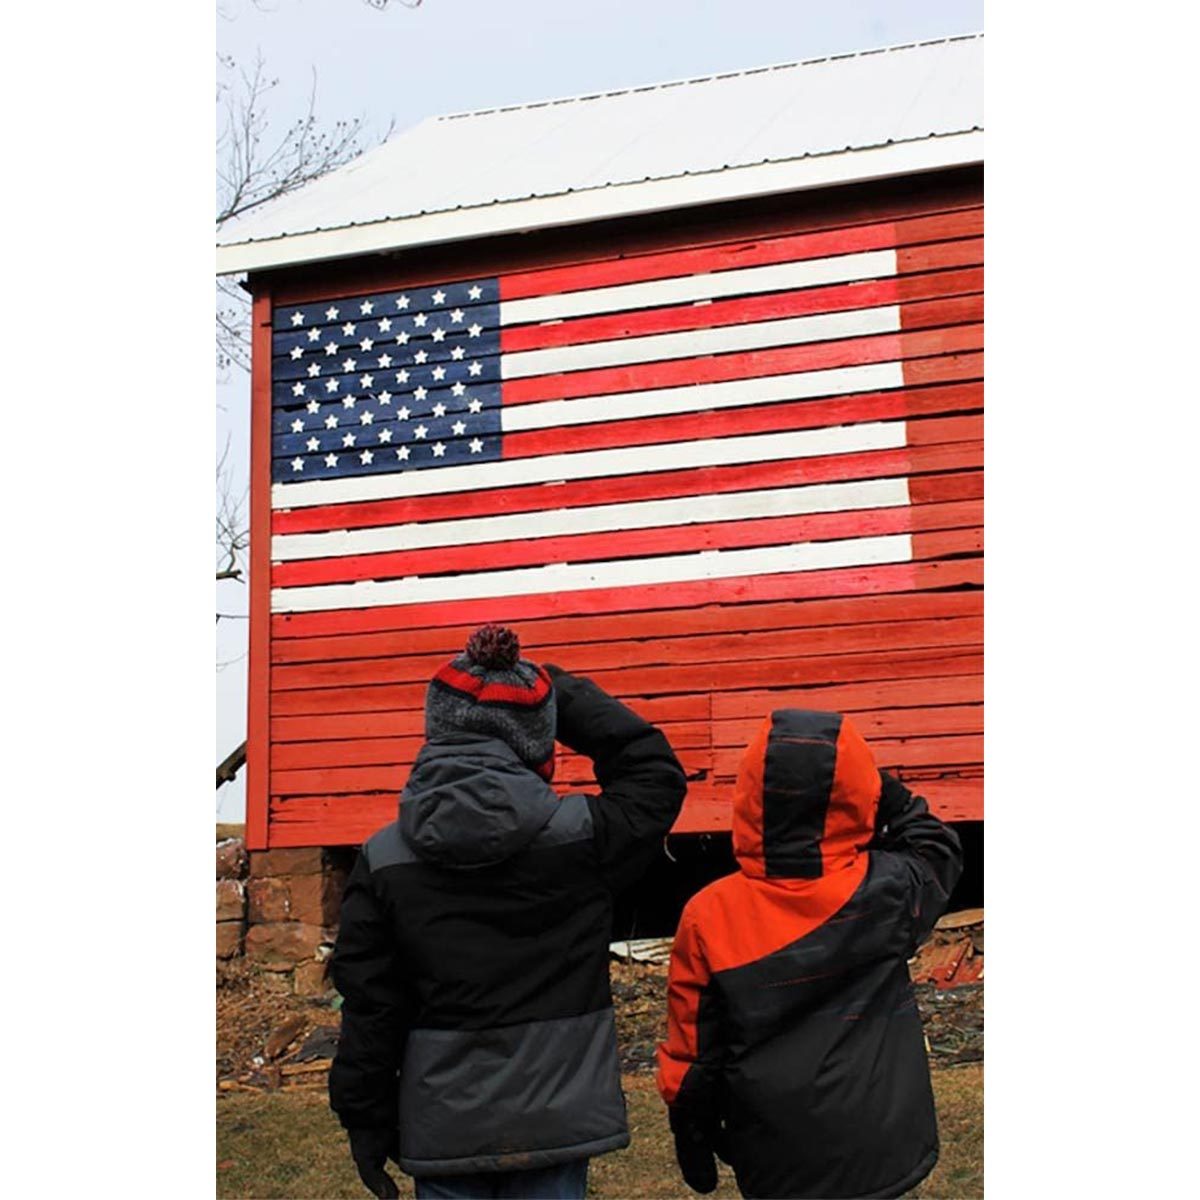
233 533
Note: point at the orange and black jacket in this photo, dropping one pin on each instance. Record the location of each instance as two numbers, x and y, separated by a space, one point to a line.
794 1046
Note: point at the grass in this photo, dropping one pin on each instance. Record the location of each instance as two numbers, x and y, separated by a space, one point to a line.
272 1146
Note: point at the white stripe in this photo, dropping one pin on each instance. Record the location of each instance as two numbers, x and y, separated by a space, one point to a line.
593 464
694 343
745 281
573 577
700 397
597 518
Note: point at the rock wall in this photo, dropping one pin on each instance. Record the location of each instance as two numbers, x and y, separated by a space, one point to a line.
278 909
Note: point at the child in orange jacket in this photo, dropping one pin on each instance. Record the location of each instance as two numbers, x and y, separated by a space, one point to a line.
794 1047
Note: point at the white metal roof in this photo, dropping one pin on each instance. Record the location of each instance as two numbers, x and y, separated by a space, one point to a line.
798 125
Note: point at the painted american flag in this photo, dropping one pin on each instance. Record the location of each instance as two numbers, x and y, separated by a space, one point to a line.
624 458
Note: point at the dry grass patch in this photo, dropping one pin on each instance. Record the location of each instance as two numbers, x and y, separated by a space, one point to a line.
272 1146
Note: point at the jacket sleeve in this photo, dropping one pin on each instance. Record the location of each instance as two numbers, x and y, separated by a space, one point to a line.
929 849
642 784
690 1061
363 1085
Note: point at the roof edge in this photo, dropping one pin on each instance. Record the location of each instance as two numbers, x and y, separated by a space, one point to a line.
616 200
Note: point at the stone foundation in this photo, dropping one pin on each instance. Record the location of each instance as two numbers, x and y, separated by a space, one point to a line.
279 909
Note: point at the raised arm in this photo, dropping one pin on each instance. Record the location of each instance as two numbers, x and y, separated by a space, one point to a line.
642 784
929 848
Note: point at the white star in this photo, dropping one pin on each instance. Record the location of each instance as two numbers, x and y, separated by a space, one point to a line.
297 389
331 314
420 356
331 460
439 296
385 397
331 421
349 401
349 364
458 389
474 330
314 335
348 440
313 444
365 419
402 339
385 435
367 381
297 318
459 428
474 368
330 348
385 325
297 426
439 372
365 344
402 453
439 410
331 385
476 445
476 406
457 315
457 353
313 406
401 376
297 352
475 292
365 307
420 394
439 451
419 320
366 456
297 464
403 413
439 335
401 301
313 370
385 360
348 329
420 431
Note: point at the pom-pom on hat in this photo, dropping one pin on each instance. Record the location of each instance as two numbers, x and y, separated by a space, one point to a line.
490 689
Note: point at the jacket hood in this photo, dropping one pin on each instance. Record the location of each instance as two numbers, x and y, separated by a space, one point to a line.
806 796
471 802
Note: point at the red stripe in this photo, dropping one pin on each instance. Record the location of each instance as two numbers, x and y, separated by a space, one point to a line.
494 692
549 638
659 485
626 543
772 306
760 418
825 243
733 653
745 364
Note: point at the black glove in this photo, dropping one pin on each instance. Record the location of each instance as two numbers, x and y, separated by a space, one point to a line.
694 1153
371 1149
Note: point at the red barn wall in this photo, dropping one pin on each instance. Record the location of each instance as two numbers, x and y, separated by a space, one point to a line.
336 715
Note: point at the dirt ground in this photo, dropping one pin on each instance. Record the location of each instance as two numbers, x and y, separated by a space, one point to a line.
276 1137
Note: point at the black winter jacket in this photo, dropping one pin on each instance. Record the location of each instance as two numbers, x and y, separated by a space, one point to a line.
794 1044
472 953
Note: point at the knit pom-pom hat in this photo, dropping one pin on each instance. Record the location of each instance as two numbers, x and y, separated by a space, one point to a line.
490 689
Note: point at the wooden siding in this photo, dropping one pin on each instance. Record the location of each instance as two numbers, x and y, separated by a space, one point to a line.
336 704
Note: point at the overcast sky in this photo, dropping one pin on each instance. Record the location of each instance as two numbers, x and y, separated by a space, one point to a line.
404 64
